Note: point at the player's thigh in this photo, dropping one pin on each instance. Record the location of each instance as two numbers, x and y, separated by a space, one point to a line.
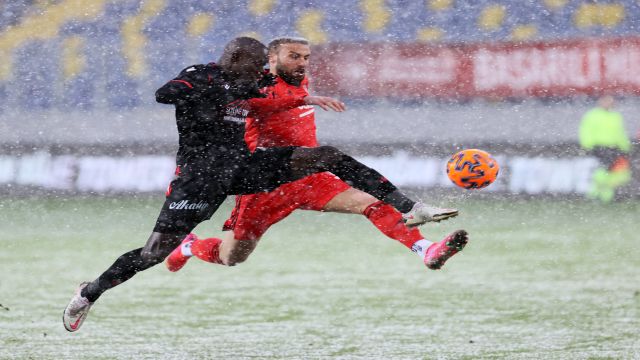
189 202
264 170
350 201
254 214
233 251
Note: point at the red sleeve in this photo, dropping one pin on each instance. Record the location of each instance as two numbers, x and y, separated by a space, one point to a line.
261 107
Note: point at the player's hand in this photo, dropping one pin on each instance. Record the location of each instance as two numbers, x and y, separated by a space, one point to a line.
326 103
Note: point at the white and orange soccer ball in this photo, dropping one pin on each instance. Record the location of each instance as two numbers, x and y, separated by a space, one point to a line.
472 169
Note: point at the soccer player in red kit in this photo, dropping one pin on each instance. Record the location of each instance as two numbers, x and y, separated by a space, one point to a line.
255 213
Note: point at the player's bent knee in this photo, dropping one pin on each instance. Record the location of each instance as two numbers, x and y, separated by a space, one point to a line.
230 262
233 260
158 247
237 251
351 201
150 258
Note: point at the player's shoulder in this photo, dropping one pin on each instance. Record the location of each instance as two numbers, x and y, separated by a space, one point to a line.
210 68
192 69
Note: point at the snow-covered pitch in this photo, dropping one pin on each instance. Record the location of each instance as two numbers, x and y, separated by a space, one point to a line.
540 279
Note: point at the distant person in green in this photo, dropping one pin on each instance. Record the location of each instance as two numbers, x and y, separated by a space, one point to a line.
602 135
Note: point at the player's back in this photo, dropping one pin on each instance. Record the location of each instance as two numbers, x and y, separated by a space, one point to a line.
294 127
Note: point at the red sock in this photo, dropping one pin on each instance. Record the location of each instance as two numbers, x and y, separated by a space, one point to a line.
207 250
389 221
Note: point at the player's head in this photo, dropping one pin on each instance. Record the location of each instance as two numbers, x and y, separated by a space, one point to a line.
244 58
606 102
289 58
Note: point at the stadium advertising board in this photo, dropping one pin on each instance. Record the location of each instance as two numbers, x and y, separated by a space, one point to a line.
523 174
568 68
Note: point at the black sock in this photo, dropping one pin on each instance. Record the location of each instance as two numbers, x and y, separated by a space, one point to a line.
399 201
307 161
372 182
122 270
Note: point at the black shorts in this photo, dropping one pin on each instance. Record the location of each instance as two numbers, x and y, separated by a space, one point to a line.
200 188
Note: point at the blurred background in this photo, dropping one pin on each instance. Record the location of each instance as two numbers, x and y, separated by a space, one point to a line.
422 79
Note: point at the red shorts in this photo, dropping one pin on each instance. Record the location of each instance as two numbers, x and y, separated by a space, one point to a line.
255 213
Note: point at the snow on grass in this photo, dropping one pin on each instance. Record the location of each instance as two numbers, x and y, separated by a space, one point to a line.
539 279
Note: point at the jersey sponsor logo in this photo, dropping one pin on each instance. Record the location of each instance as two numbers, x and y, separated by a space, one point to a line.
236 114
236 111
187 205
234 119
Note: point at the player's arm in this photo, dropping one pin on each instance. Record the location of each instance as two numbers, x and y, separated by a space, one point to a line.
261 107
191 84
326 103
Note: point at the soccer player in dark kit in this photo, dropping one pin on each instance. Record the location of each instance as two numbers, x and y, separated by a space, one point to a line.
213 161
254 214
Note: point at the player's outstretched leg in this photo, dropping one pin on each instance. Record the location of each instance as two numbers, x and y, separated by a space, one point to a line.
389 221
306 161
438 253
124 268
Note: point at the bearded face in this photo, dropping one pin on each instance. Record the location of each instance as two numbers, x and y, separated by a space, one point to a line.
291 62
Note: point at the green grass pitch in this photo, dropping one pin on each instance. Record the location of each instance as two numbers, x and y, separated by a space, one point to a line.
540 279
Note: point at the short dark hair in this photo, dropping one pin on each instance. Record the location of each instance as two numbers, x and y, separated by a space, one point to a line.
274 45
245 45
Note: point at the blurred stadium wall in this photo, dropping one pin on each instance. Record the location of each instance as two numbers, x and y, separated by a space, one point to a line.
422 79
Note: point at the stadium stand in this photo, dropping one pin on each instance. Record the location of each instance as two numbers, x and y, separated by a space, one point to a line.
78 77
107 54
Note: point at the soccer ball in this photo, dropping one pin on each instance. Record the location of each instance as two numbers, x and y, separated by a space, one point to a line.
472 169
